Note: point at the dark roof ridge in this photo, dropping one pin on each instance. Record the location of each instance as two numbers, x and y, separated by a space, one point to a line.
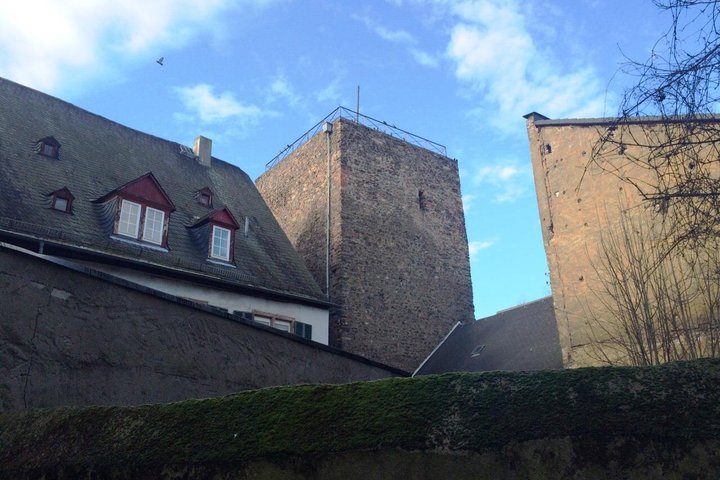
521 305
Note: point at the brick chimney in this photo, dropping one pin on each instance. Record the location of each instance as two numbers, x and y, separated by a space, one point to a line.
202 148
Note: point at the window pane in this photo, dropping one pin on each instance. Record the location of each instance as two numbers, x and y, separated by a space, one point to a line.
129 219
60 204
48 150
220 243
153 231
263 320
282 325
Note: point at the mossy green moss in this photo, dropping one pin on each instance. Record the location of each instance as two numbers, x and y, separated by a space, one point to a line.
451 412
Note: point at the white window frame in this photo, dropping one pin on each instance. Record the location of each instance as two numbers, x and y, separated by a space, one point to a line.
148 234
283 325
127 215
279 322
221 255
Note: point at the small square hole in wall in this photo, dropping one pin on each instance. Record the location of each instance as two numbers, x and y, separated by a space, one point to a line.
422 200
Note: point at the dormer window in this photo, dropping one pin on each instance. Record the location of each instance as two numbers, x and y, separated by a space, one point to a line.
129 222
205 197
48 147
216 234
61 200
154 225
220 243
133 215
142 212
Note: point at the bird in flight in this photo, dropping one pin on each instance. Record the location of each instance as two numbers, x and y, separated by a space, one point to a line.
160 60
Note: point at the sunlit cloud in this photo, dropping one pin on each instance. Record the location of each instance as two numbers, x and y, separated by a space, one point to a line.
203 104
50 44
402 38
504 182
330 93
281 89
394 36
468 201
425 59
475 247
497 57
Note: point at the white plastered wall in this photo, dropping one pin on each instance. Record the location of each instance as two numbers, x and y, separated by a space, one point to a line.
229 300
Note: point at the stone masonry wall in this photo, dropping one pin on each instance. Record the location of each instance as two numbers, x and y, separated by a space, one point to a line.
68 338
578 203
399 257
295 189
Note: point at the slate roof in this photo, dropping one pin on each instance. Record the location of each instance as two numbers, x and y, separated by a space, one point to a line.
96 157
520 338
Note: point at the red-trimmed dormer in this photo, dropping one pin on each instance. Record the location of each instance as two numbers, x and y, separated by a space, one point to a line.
61 200
142 210
220 234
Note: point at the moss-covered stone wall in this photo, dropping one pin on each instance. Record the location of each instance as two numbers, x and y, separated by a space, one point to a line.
656 422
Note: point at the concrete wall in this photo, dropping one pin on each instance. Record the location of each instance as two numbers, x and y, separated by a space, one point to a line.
398 259
229 300
69 338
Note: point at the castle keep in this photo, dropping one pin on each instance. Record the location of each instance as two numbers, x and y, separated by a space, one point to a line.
399 271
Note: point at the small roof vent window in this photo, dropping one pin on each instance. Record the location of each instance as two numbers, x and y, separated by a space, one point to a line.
48 147
204 197
61 200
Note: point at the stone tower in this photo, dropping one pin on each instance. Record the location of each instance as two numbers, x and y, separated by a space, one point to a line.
399 269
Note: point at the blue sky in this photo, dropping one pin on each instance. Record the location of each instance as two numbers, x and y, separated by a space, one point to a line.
253 75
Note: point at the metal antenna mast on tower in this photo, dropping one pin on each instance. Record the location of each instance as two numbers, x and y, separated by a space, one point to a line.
357 106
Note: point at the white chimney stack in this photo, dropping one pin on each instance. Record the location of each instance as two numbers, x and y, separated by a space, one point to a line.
202 148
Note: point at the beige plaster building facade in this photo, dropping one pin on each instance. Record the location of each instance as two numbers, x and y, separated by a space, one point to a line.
582 204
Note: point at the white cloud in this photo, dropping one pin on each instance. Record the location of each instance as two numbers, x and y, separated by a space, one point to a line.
49 42
496 173
394 36
474 247
330 93
280 89
505 182
496 55
403 38
203 104
424 58
468 200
